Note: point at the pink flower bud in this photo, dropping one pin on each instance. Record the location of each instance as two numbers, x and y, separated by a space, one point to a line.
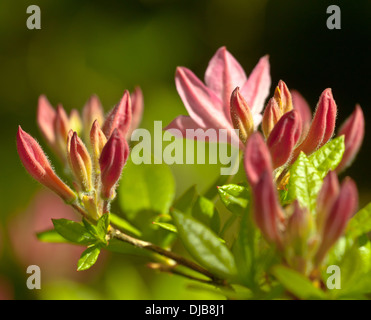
97 141
257 159
353 130
46 119
326 197
79 161
241 115
119 117
38 166
298 240
283 97
298 228
302 106
267 211
322 126
272 114
136 108
61 127
75 122
92 111
338 216
112 161
284 137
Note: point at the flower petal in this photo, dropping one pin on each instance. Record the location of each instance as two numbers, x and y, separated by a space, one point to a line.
204 107
256 88
223 74
354 130
45 119
302 106
137 106
181 123
186 127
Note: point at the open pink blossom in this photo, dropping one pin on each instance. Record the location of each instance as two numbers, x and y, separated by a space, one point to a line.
208 104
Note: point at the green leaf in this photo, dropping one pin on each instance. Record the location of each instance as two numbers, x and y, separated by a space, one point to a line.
123 224
360 223
204 246
166 226
304 182
98 231
355 272
328 157
92 229
88 258
251 258
245 253
185 202
297 284
146 187
51 236
242 293
73 231
234 197
204 211
102 226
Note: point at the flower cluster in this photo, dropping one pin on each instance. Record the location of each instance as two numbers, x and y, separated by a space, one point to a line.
95 165
230 100
303 237
294 196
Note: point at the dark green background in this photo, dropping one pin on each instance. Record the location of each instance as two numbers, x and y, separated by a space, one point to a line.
105 47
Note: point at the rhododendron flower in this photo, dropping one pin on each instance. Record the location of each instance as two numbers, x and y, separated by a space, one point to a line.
96 173
353 130
292 232
55 124
338 205
297 133
208 104
38 166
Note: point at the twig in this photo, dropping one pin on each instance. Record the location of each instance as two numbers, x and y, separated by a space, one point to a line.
169 254
172 269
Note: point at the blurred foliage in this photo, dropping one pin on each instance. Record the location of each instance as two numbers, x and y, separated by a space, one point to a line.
87 47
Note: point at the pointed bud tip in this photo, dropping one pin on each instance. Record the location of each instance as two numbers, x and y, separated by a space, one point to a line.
257 158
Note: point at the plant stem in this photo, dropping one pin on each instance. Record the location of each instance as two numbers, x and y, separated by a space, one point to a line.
173 270
80 210
106 205
169 254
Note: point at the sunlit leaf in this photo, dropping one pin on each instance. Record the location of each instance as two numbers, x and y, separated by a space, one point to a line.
304 182
88 258
124 225
204 211
185 202
166 226
360 223
297 284
204 245
51 236
73 231
146 187
328 157
234 197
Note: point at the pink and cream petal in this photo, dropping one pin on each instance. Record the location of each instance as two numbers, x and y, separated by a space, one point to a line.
204 107
302 106
223 75
256 88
